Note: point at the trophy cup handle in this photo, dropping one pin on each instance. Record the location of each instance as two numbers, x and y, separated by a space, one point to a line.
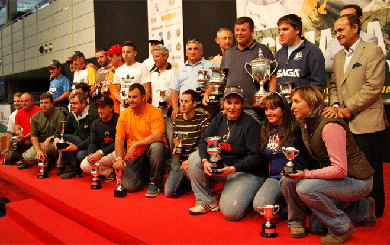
296 152
250 74
284 150
276 209
260 210
276 67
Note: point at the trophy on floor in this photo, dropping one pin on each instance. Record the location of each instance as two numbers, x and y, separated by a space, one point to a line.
119 191
15 146
4 162
126 98
180 149
162 104
62 144
214 151
261 68
285 89
202 81
106 90
269 211
95 182
217 79
42 164
290 153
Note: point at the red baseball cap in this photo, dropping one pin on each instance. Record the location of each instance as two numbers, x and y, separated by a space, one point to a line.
116 49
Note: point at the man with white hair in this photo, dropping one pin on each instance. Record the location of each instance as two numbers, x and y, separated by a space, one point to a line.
225 41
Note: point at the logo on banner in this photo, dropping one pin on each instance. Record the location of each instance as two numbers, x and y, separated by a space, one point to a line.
160 34
178 32
156 7
169 25
156 28
170 47
178 46
176 57
168 16
169 35
171 2
298 55
153 20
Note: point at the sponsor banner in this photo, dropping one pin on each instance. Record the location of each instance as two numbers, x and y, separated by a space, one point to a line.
318 18
165 19
5 112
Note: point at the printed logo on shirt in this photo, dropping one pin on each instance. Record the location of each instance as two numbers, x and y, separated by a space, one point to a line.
225 146
107 138
85 126
298 56
288 73
273 143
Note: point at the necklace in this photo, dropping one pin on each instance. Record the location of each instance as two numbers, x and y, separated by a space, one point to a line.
227 136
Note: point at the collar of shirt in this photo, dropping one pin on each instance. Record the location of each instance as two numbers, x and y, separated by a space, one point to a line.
251 46
199 62
293 48
156 69
83 115
349 54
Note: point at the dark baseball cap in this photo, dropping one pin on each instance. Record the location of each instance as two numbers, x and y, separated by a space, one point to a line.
54 63
105 100
77 54
233 90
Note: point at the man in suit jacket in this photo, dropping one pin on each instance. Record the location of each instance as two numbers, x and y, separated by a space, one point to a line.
355 94
334 46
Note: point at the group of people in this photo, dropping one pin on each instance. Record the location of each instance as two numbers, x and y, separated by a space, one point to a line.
113 121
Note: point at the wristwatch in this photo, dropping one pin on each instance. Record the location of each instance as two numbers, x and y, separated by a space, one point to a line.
232 168
118 158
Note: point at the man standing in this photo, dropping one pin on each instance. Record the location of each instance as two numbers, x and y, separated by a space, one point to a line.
11 123
44 123
130 73
105 65
115 55
77 134
142 125
186 75
225 41
83 74
23 129
235 59
334 46
59 86
193 124
149 62
300 62
162 76
102 146
355 94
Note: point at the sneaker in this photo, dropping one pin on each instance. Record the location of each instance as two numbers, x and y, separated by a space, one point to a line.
298 232
153 191
22 164
111 177
71 174
372 221
338 239
60 171
202 209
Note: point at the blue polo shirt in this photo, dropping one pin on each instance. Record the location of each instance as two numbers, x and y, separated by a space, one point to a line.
58 87
186 76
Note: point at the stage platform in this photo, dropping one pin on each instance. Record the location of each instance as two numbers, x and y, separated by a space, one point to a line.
56 211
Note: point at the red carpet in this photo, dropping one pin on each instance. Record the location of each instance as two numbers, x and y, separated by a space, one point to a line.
56 211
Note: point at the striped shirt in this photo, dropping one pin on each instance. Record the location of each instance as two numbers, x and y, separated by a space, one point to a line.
194 127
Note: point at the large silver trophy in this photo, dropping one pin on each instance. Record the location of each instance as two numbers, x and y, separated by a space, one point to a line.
62 144
162 104
269 211
261 70
214 151
202 81
217 79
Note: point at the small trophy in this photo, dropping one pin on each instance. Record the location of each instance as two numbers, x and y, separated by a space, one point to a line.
15 146
106 90
119 191
260 70
62 144
202 81
162 104
290 153
126 98
217 80
4 162
180 148
269 229
214 150
42 164
95 182
285 89
98 91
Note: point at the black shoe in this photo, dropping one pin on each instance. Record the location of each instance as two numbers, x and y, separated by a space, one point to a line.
68 175
22 165
60 171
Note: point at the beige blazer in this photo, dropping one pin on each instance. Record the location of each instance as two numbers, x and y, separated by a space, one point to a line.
360 87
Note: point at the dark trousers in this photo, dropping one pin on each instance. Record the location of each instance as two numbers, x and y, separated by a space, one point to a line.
370 144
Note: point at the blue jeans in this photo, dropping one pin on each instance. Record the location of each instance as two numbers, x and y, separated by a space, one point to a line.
149 165
269 193
319 195
237 196
176 179
74 158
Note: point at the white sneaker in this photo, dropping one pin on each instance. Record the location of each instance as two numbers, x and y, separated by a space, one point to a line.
202 209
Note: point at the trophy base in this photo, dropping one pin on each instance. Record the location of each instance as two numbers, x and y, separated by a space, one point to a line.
289 170
162 105
257 101
214 170
179 150
42 175
269 232
214 99
4 162
61 146
120 193
96 184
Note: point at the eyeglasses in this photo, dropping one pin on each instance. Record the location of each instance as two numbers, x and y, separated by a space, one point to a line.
193 40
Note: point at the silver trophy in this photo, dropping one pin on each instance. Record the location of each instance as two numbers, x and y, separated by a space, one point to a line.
125 98
42 164
285 89
106 90
269 211
162 104
214 151
62 144
119 191
290 153
202 81
180 148
217 79
261 70
95 182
